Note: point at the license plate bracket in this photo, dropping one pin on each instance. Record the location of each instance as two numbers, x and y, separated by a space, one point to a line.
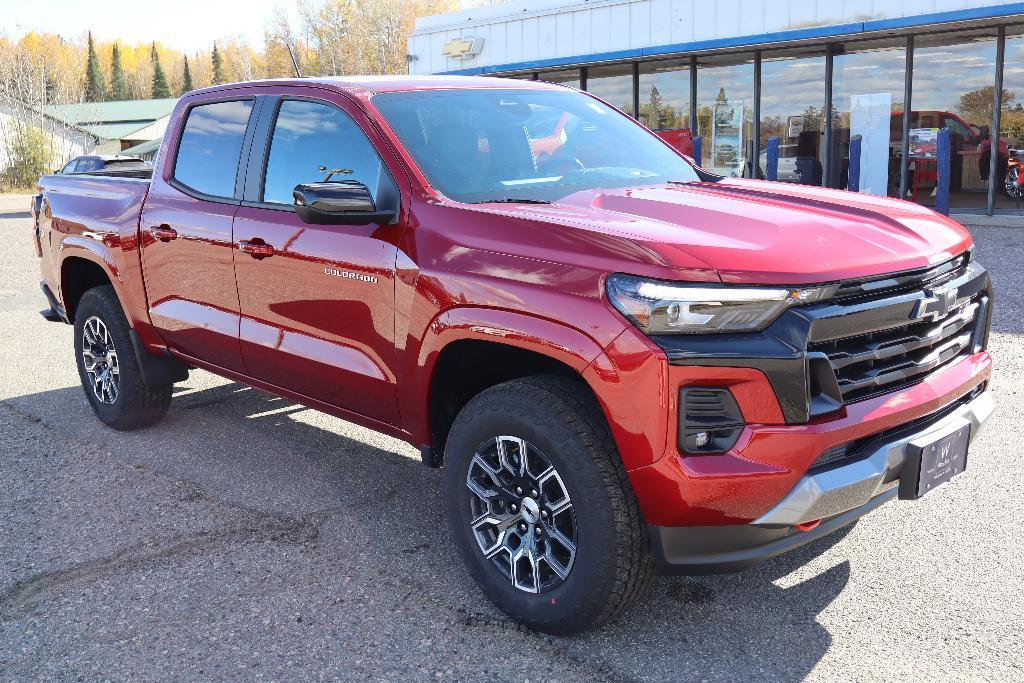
934 459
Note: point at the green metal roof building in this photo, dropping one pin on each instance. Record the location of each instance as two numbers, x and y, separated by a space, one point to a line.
117 125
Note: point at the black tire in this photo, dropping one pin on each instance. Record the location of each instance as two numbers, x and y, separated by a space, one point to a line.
136 404
613 562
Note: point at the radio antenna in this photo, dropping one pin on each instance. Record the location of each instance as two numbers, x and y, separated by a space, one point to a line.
295 63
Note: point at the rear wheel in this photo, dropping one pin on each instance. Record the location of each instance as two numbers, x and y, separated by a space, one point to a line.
1011 184
108 368
541 508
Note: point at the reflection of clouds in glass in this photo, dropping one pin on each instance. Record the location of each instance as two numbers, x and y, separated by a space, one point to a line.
616 90
222 118
943 74
1013 70
305 118
789 87
862 73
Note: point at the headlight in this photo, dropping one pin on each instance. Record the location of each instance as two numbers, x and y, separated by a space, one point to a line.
668 308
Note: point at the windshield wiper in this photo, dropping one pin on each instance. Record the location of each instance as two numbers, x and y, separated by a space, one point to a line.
512 200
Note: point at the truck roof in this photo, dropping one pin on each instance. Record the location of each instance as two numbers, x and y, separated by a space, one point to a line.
375 84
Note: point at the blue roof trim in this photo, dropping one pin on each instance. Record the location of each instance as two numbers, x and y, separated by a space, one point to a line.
833 31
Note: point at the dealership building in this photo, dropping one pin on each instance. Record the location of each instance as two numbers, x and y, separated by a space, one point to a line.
814 74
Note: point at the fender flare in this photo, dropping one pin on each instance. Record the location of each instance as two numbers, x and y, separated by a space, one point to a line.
88 249
522 330
157 370
553 339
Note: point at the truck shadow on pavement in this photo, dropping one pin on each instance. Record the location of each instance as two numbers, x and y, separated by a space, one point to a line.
372 500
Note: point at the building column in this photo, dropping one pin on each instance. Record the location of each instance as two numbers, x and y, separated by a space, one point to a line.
997 111
908 95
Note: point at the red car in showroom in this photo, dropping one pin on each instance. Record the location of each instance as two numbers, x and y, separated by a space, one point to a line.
621 362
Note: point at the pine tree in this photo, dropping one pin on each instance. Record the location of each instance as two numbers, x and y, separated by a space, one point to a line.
186 78
118 78
160 88
94 88
218 66
656 110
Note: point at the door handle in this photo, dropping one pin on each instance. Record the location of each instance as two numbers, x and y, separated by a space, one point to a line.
256 248
164 232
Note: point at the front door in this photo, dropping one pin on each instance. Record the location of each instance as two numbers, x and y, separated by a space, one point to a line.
317 301
186 236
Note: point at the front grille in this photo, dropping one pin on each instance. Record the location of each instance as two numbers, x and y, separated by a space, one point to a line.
874 336
890 359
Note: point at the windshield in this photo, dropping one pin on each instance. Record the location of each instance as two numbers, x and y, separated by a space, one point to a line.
478 145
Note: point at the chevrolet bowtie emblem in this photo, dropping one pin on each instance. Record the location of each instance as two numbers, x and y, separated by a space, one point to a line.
936 304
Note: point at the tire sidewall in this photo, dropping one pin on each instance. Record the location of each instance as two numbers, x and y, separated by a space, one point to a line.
592 577
95 303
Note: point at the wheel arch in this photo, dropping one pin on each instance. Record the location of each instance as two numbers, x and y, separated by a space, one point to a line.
83 267
470 350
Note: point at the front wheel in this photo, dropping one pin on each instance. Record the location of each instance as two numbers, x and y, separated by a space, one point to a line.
541 508
108 368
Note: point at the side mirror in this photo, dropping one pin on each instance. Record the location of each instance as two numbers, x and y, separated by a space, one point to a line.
344 202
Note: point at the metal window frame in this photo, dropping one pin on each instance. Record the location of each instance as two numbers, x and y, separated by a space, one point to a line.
755 133
829 122
908 106
997 107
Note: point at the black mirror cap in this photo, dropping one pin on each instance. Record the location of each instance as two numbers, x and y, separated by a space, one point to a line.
344 202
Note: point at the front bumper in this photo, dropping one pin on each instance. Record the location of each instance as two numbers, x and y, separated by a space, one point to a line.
837 496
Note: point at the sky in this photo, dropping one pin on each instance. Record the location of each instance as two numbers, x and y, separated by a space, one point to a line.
189 25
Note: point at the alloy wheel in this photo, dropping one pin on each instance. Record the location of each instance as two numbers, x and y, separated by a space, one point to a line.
100 360
1012 182
522 516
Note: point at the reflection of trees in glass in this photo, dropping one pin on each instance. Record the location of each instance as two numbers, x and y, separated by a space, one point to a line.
657 115
976 105
1011 124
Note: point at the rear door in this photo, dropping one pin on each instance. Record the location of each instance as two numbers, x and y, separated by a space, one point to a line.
187 249
317 314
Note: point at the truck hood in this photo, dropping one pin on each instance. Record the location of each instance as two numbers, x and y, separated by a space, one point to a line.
761 232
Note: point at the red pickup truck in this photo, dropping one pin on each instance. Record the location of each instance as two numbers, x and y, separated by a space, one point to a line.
622 362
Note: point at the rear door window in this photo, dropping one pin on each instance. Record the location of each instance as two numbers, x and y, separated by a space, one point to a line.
210 146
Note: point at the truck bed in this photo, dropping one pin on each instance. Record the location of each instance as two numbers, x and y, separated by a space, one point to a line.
93 214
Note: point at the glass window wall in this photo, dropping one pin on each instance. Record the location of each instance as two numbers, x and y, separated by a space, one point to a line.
613 84
954 83
725 113
1010 195
953 87
793 110
867 100
665 101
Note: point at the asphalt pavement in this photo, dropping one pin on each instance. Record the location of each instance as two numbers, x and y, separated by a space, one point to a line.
247 537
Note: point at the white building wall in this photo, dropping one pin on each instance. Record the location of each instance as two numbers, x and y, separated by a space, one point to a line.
67 142
527 30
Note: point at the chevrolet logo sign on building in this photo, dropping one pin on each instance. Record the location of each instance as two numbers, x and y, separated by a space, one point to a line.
462 48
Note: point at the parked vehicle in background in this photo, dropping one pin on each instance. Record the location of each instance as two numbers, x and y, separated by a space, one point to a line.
93 163
679 138
1012 181
621 361
787 170
106 164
